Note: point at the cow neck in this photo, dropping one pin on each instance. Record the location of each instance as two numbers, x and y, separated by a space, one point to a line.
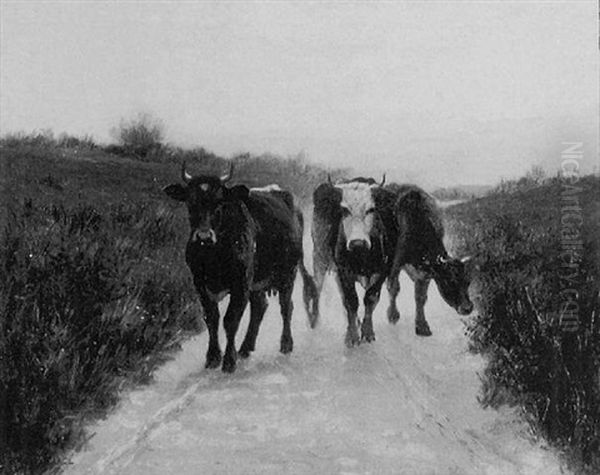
225 226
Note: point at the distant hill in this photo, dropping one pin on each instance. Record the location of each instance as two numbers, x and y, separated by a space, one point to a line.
69 172
461 192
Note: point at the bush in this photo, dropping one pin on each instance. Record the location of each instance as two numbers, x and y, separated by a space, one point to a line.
45 139
140 136
86 297
38 139
535 177
535 359
69 141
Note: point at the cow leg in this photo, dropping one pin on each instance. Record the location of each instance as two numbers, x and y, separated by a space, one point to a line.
258 306
421 325
371 299
320 269
400 256
287 307
346 284
393 286
231 322
211 317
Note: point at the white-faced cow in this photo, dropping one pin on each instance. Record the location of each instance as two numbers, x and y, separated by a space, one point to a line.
421 253
242 243
354 233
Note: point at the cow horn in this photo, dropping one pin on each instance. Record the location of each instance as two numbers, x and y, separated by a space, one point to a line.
464 260
382 180
225 178
185 176
329 179
442 259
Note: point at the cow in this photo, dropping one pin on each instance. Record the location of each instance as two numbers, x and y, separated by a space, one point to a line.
421 253
354 233
246 244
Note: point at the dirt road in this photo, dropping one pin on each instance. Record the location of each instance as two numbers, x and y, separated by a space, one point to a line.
401 405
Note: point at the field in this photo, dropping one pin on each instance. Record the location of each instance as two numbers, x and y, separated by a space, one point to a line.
95 291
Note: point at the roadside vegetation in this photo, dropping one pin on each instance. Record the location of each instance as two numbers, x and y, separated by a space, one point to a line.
536 242
94 291
94 287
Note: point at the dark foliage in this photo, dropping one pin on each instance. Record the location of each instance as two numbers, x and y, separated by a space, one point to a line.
540 356
140 136
94 293
77 310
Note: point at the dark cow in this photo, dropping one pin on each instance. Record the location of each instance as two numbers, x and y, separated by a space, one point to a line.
421 253
242 243
354 232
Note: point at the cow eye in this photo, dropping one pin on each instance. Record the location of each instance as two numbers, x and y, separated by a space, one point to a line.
345 211
370 210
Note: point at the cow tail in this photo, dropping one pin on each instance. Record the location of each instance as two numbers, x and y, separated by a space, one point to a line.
309 295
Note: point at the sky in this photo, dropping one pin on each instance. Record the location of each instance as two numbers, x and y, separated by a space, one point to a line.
438 93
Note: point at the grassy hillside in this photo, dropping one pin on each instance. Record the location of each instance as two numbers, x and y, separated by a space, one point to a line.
94 285
538 321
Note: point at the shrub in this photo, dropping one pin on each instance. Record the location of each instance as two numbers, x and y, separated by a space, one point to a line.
534 360
535 177
86 297
140 136
45 139
83 143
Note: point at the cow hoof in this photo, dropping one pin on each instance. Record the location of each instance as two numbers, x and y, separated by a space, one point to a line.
213 360
245 351
287 345
228 365
393 315
368 336
422 329
352 339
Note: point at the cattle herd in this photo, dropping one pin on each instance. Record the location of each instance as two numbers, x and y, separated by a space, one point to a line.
248 243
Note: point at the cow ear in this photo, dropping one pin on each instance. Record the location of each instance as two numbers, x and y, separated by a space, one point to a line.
177 192
327 199
238 192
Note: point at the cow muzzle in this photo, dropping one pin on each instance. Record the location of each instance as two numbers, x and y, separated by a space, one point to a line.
203 237
358 245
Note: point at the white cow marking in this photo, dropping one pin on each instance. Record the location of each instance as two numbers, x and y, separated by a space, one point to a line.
415 274
273 187
357 199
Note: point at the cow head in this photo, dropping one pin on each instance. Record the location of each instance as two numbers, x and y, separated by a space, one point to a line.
206 196
453 277
356 201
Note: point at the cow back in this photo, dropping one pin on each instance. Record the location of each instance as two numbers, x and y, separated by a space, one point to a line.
416 210
279 232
